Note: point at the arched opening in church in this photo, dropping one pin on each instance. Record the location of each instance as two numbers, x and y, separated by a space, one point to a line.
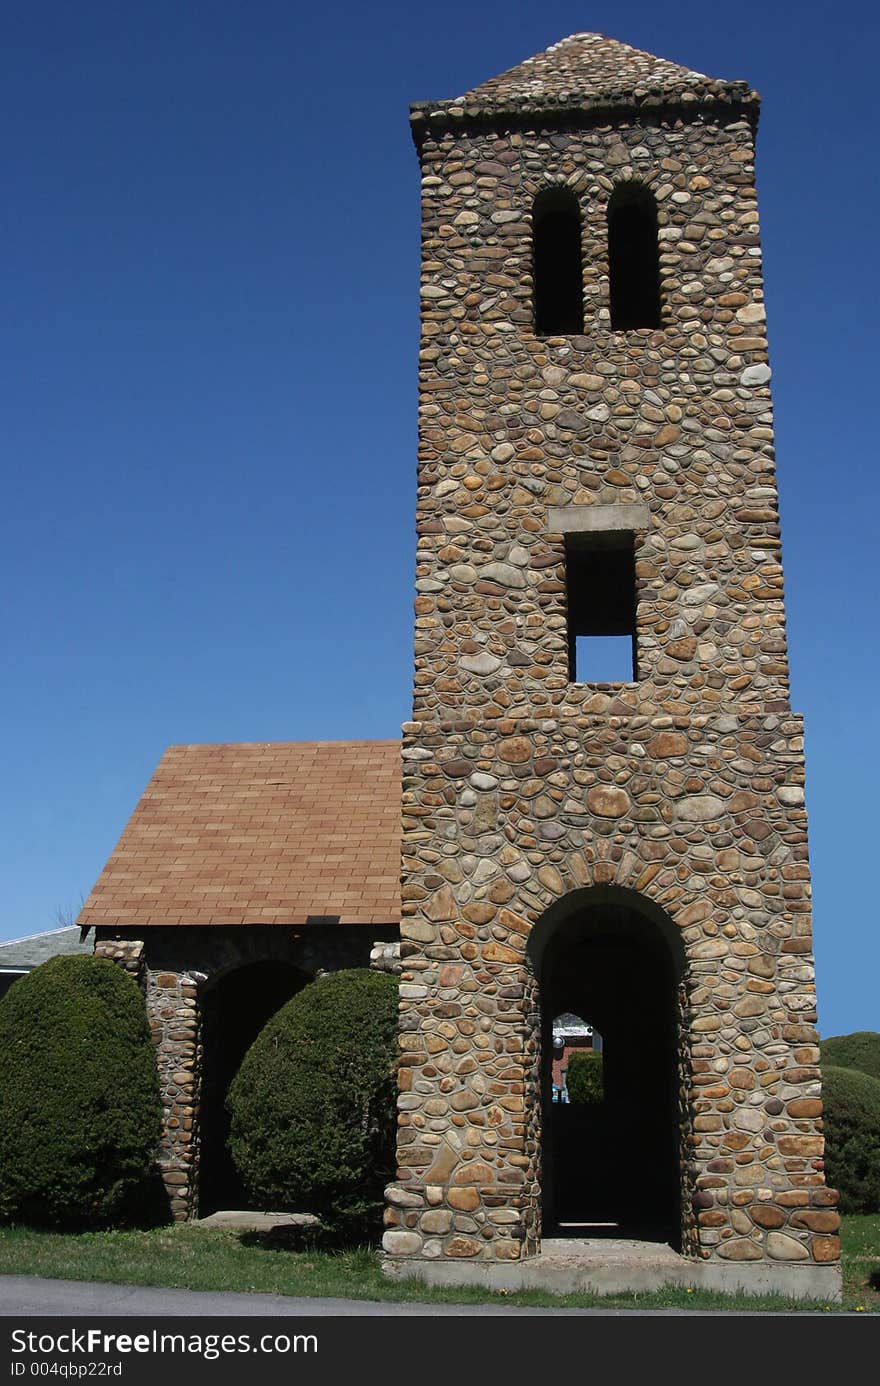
235 1007
612 1141
558 266
633 258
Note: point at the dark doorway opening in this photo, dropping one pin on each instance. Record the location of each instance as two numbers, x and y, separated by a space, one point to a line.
611 1163
234 1010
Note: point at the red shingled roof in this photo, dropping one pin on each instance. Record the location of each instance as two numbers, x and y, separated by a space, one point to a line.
269 833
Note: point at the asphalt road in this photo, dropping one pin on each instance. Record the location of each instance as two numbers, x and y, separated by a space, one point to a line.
30 1296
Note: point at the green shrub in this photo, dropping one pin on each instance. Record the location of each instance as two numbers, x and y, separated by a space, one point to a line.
313 1104
79 1096
852 1138
860 1050
584 1076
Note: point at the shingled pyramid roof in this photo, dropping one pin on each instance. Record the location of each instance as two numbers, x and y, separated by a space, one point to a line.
587 71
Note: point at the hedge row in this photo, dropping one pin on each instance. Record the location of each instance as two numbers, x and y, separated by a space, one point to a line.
852 1137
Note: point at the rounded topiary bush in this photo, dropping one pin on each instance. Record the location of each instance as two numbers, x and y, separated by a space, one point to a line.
859 1050
852 1138
79 1096
313 1103
583 1078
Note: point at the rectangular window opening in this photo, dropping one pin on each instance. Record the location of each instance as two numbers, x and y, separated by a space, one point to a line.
601 594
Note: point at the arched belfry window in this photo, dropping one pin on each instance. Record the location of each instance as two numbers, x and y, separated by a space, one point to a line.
633 258
558 273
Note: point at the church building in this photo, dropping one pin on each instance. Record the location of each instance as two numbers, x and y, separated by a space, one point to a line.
597 809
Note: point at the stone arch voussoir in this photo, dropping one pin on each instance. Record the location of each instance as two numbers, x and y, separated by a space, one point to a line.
576 181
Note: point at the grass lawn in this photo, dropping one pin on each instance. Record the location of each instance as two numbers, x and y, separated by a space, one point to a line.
198 1258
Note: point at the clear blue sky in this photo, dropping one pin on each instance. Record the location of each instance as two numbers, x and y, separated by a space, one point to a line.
208 338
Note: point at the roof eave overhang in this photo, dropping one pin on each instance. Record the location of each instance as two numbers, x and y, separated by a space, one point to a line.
310 922
469 113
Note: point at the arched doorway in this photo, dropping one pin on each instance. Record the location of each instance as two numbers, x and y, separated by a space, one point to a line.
611 1162
235 1007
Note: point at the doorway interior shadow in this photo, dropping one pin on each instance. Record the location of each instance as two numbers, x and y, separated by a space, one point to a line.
611 1166
235 1007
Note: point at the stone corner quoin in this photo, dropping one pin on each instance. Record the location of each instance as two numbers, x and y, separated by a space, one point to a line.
549 819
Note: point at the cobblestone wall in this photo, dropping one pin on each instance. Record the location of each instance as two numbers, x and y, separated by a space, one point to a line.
682 789
514 428
176 968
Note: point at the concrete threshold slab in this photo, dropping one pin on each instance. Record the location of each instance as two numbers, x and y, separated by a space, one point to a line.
609 1266
244 1220
607 1251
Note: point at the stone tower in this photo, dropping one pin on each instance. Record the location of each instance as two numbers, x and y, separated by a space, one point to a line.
625 843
